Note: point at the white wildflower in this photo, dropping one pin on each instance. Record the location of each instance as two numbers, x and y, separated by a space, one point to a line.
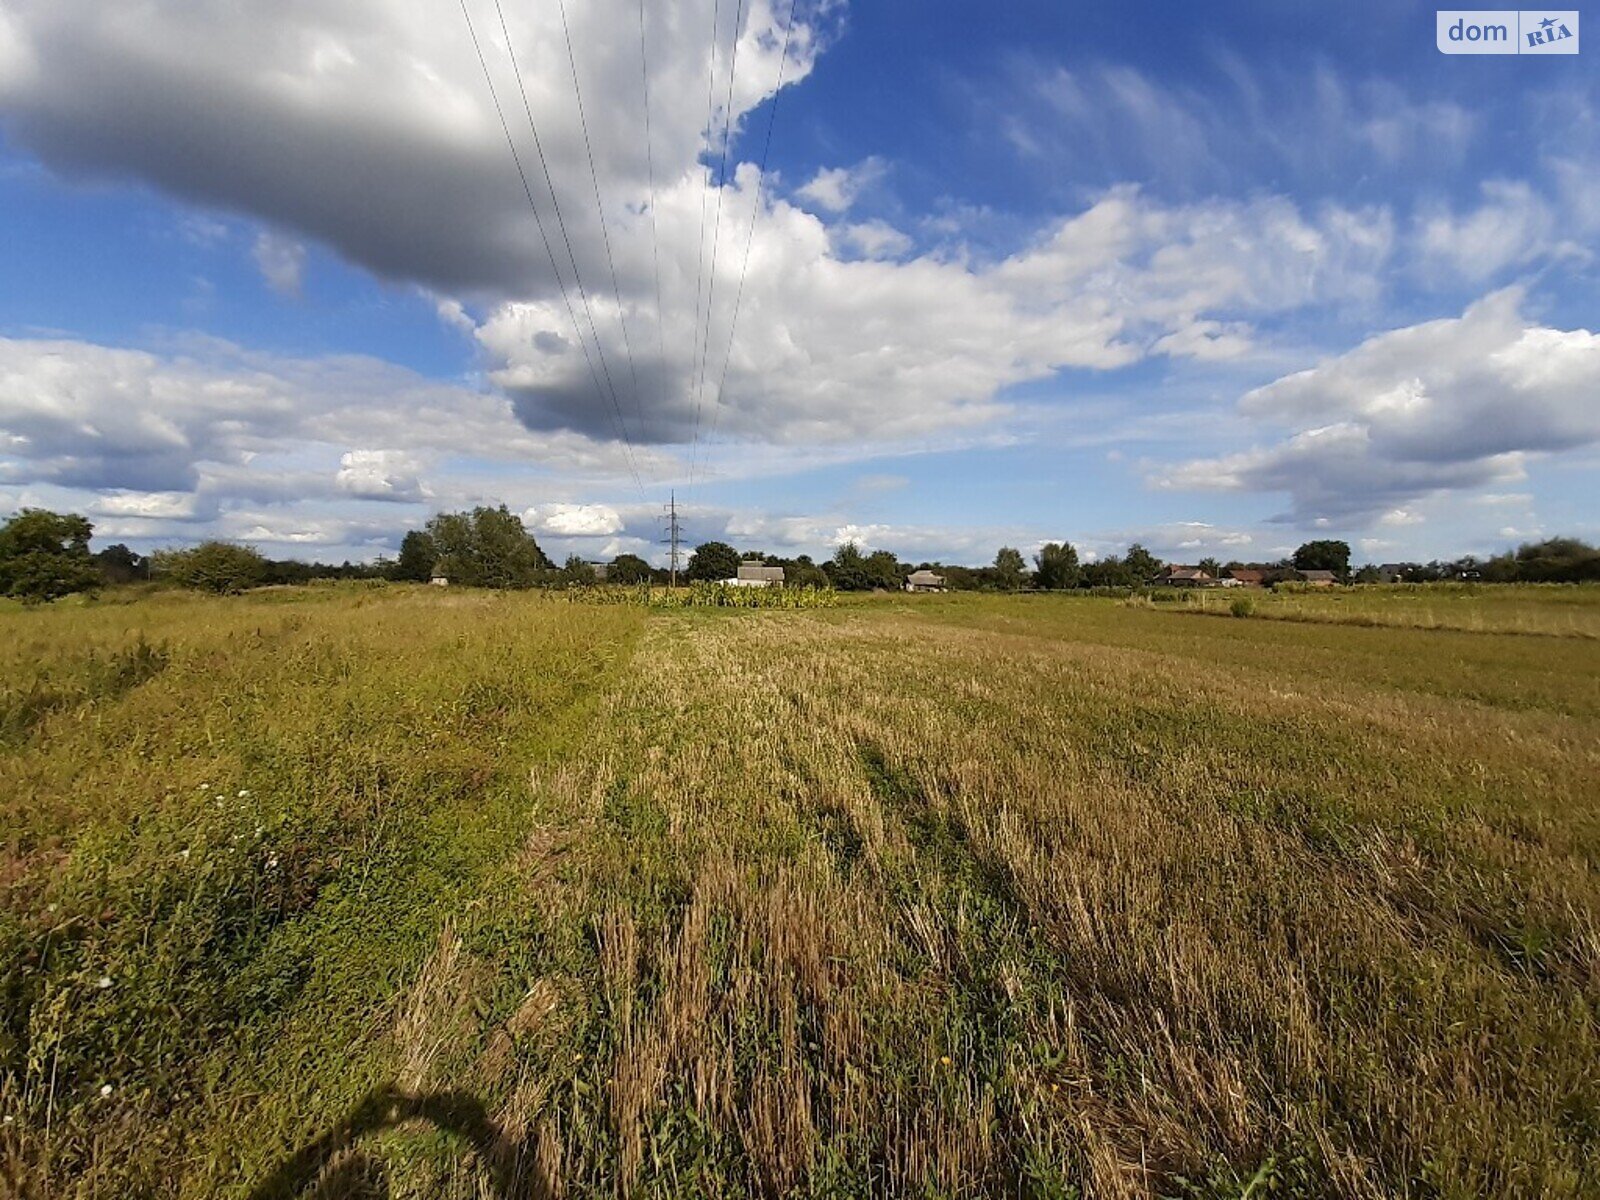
105 1089
243 792
273 861
184 854
105 982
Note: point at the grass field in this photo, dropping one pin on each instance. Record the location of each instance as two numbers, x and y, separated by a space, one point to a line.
393 891
1549 610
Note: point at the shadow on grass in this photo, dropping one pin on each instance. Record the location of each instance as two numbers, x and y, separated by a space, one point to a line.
329 1167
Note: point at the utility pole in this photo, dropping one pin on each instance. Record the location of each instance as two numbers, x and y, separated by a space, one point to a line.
673 534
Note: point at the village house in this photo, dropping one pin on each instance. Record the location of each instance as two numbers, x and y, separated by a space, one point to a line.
924 581
755 574
1176 576
1318 578
1246 577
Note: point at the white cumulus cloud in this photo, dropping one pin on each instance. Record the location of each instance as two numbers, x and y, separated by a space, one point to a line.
1449 404
836 189
575 520
380 475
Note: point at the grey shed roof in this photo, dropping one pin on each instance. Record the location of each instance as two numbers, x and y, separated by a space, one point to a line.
760 573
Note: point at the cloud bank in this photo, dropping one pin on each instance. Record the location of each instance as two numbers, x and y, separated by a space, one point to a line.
1454 403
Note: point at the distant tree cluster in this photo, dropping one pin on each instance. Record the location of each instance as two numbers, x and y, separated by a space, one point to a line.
1554 560
850 570
229 567
221 567
713 560
487 547
118 564
45 555
1324 556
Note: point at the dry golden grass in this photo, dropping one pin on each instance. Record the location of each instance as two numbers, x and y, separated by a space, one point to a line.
969 897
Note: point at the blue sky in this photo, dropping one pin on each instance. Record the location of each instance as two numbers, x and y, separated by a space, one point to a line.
1217 280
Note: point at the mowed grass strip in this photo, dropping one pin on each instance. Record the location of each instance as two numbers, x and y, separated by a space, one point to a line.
967 897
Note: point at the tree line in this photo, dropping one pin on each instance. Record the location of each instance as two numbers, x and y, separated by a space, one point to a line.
45 555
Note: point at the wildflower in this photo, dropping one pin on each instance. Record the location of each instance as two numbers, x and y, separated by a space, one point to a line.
205 787
7 1119
105 982
243 792
105 1089
944 1061
273 861
184 854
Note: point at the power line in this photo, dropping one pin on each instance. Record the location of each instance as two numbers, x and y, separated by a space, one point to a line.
605 233
561 224
650 162
761 183
716 236
538 221
700 244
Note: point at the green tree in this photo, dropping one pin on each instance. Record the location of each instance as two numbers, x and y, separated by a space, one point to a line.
713 561
803 572
1555 560
221 567
1324 556
847 569
884 570
1009 566
1109 572
119 564
487 547
45 555
1211 567
1141 564
508 556
577 571
418 557
1057 566
628 568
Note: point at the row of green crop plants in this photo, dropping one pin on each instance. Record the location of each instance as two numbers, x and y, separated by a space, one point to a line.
703 595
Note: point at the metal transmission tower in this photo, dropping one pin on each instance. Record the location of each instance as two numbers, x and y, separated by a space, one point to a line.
674 534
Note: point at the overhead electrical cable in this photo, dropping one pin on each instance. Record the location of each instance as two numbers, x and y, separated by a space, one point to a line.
605 234
650 163
544 236
700 245
750 233
561 224
716 235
